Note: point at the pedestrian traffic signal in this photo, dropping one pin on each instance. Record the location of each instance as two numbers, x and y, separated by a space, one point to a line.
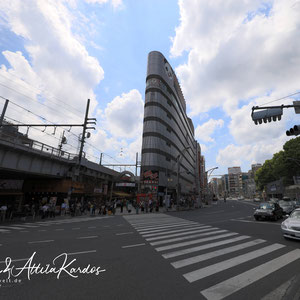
293 131
266 115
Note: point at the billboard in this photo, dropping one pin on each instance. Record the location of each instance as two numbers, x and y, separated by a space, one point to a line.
150 177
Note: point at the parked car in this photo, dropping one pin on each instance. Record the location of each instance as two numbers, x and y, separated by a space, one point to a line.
266 210
291 226
256 200
241 198
287 206
297 203
274 200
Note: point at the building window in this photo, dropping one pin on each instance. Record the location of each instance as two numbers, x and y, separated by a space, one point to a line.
168 144
169 129
168 158
169 102
169 116
152 96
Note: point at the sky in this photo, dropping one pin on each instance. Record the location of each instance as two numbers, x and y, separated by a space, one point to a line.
228 56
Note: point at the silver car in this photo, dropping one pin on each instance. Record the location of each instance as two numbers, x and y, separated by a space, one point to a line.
291 226
287 206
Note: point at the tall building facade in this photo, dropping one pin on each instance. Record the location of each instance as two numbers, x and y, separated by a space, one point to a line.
235 181
168 134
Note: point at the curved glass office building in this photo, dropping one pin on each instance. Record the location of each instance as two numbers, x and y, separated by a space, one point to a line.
168 133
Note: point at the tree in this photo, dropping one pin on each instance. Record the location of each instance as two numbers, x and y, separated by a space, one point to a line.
284 164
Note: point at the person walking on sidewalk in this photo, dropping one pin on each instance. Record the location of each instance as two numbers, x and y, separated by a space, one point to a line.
3 212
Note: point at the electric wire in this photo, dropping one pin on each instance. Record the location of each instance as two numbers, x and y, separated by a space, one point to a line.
31 99
281 98
41 91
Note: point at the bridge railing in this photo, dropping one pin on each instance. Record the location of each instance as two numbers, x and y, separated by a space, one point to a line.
23 141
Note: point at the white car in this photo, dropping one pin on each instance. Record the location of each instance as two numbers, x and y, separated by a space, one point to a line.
291 226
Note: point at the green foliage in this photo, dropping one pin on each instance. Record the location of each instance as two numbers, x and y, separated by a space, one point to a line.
284 164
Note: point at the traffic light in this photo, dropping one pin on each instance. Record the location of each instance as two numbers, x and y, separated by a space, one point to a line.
266 115
293 131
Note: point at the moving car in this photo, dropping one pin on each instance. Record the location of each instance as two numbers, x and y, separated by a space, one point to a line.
287 206
266 210
291 226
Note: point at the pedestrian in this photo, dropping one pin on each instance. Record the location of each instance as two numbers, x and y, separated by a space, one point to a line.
224 198
3 209
45 211
33 210
114 206
150 205
121 205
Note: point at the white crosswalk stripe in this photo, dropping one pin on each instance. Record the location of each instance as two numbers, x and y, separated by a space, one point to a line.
204 247
231 285
215 268
187 237
173 231
179 234
46 223
209 255
166 226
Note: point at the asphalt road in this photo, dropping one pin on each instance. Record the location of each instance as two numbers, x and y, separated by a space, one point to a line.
212 253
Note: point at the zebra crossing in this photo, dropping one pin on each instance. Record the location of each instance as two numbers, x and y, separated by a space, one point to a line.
202 251
33 225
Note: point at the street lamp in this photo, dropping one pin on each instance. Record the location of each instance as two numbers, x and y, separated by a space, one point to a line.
206 172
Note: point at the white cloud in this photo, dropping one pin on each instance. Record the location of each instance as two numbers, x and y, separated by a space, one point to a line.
240 54
236 51
56 69
114 3
124 115
203 132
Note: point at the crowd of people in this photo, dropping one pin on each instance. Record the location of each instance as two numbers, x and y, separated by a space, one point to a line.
75 207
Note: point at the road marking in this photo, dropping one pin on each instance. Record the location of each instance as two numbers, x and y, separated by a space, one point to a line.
204 247
82 252
26 226
192 260
131 232
186 237
195 241
45 241
180 234
136 245
88 237
215 212
4 230
166 226
146 231
21 259
227 264
256 222
174 231
11 227
234 284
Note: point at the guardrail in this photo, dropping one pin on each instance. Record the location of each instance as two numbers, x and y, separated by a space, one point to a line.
22 141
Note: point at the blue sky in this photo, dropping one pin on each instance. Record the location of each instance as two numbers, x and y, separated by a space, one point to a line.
56 54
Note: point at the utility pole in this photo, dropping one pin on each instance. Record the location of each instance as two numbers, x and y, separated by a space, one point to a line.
101 155
87 121
136 163
3 111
